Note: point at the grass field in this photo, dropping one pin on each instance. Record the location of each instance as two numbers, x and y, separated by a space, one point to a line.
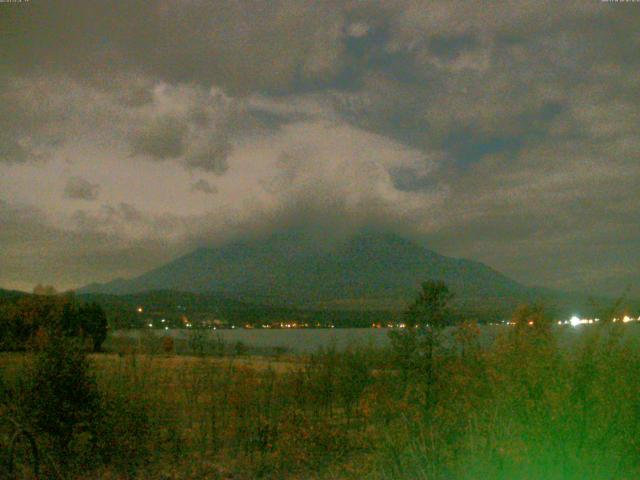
523 407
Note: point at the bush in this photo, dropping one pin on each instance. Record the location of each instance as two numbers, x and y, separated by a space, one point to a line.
78 426
197 341
61 400
93 322
167 345
57 315
240 348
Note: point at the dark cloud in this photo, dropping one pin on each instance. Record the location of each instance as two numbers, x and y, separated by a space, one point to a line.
78 188
210 157
203 186
162 138
11 151
451 47
27 128
135 94
243 46
504 132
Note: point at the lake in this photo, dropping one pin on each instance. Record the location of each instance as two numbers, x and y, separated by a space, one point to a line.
306 340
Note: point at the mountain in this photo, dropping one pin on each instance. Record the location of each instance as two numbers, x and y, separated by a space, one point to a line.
369 270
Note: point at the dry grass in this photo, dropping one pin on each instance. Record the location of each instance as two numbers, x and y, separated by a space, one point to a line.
522 408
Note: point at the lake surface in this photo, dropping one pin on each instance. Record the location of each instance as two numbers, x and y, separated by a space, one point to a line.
309 340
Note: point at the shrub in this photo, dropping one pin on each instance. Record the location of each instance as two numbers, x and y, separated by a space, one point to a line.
93 322
61 399
197 341
167 345
240 348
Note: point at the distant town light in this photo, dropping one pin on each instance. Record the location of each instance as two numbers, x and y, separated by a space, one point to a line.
575 321
139 309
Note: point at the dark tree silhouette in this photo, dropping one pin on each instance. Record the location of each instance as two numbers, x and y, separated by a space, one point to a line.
424 320
431 308
93 322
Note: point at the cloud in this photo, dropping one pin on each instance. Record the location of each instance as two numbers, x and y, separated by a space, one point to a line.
203 186
210 155
27 130
42 251
127 221
78 188
242 46
162 138
11 151
358 29
501 132
199 128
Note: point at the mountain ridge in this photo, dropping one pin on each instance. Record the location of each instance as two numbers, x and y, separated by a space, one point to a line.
367 267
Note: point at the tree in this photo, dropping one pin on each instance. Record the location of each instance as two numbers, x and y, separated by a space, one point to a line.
70 321
61 397
425 319
606 312
431 307
93 322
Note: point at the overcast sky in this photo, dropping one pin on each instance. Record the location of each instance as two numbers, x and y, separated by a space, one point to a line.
134 131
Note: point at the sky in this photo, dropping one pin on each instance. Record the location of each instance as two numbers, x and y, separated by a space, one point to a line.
132 132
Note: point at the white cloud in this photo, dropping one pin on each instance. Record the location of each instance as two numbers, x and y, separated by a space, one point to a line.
358 29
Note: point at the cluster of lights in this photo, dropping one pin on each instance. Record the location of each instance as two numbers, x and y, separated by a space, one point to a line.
294 325
627 319
401 325
575 320
151 326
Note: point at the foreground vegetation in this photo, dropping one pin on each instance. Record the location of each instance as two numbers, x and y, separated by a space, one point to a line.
521 408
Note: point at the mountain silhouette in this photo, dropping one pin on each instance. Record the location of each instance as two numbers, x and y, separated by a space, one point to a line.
365 270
